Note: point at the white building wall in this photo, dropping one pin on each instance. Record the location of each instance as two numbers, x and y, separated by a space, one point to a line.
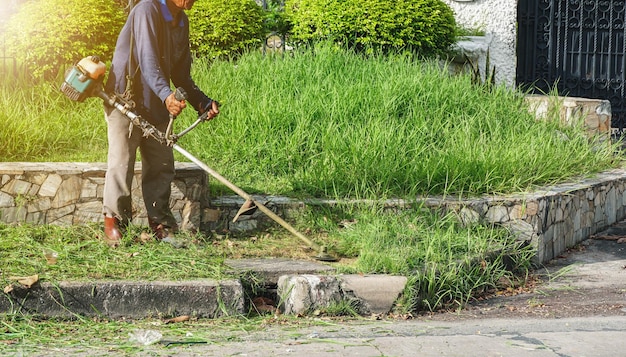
497 18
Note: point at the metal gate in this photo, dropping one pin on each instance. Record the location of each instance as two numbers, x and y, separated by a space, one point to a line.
576 47
8 64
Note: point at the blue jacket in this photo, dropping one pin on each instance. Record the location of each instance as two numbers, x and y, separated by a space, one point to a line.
160 55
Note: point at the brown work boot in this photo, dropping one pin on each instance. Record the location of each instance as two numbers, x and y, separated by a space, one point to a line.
112 231
166 234
161 232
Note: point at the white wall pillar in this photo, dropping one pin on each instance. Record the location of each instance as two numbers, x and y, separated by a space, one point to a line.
497 18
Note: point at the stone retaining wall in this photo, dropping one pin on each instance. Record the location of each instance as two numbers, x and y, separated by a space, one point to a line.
594 114
551 219
71 193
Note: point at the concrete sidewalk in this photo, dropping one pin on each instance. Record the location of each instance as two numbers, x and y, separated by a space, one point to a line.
588 336
511 337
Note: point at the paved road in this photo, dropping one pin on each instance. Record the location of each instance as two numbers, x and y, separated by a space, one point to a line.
590 336
575 337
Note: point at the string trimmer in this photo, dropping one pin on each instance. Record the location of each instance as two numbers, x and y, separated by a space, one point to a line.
84 80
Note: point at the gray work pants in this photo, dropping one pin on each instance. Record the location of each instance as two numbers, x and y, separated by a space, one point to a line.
157 163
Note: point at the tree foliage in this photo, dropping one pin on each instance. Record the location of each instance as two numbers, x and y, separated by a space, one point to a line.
225 27
47 35
427 26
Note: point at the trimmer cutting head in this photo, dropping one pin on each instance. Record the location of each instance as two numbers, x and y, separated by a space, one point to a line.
324 256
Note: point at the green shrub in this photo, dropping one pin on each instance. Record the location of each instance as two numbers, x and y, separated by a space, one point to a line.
224 27
427 26
47 35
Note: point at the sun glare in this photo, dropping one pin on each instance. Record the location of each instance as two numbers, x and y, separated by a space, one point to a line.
7 8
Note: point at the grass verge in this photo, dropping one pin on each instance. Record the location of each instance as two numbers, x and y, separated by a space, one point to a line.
449 262
28 335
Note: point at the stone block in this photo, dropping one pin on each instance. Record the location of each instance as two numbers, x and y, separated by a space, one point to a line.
610 206
55 214
302 294
468 216
211 215
578 236
541 253
40 204
17 187
50 186
88 212
243 225
576 221
6 200
594 114
13 214
497 214
191 216
89 189
68 192
36 218
558 213
599 217
548 234
522 230
532 207
558 244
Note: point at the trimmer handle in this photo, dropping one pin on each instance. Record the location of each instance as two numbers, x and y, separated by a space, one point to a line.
180 94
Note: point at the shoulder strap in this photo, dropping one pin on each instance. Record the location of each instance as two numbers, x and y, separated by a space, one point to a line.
130 74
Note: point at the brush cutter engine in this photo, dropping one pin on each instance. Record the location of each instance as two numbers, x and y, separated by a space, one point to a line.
84 79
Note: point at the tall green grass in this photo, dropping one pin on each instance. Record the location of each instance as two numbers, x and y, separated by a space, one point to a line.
448 263
37 123
328 122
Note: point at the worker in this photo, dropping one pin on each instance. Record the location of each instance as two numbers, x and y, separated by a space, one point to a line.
151 55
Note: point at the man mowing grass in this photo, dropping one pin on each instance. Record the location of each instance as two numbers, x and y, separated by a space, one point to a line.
152 51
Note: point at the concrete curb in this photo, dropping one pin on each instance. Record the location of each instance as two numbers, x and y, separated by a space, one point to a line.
130 299
300 287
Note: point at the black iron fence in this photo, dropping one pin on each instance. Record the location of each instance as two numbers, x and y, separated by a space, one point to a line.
577 47
8 64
